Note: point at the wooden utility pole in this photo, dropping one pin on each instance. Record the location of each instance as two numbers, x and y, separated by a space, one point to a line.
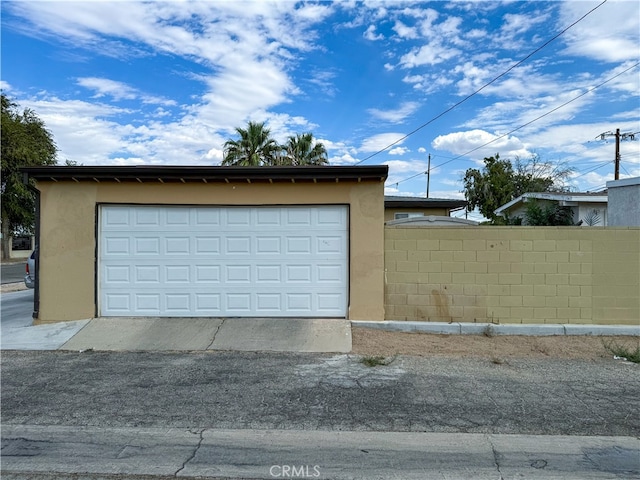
617 167
619 136
428 172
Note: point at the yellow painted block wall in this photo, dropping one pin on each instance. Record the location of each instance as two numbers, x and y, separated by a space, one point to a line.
585 275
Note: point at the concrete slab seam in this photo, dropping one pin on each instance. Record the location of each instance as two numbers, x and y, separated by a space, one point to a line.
499 329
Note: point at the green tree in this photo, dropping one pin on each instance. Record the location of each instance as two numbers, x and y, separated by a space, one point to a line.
498 182
303 150
254 148
540 214
26 142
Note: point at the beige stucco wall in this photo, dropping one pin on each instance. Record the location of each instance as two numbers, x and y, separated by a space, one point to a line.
389 213
68 233
587 275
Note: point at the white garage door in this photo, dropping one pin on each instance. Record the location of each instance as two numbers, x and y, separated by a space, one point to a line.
223 261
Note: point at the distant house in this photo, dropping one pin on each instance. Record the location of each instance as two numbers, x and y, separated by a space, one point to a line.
433 221
397 207
588 208
624 202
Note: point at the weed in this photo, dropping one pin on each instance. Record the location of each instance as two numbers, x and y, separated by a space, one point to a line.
632 354
376 361
497 360
489 331
537 347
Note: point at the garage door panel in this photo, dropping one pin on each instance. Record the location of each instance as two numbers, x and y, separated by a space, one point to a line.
207 245
117 246
177 216
238 245
268 274
330 245
331 217
207 274
118 303
117 216
144 217
178 303
146 246
118 274
177 274
268 217
147 274
270 245
147 303
298 274
223 261
298 245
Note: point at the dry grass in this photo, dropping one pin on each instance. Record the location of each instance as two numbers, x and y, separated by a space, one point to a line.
372 342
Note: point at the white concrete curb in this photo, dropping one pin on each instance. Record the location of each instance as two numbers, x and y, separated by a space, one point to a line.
502 329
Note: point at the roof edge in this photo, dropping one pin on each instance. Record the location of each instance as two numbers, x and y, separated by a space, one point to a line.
163 173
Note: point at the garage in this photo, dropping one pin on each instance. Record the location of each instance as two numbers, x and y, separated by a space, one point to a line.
208 241
223 261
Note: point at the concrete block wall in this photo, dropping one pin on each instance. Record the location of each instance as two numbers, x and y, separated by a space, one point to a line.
583 275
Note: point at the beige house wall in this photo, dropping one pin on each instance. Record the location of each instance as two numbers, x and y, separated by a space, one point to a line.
389 213
584 275
69 218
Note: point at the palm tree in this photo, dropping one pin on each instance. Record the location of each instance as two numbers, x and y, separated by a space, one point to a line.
303 150
254 148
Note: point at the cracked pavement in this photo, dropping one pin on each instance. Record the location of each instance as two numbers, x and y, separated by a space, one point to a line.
246 390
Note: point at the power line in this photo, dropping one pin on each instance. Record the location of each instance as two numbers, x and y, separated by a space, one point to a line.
526 124
517 64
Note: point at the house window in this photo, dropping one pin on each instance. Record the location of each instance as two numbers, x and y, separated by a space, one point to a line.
398 216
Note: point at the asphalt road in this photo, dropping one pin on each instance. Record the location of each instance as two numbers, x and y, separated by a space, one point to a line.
238 390
12 272
16 308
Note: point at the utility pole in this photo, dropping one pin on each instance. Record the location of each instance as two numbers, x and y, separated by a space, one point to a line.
428 172
619 136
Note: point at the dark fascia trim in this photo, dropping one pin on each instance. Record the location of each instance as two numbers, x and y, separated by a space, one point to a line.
425 203
148 174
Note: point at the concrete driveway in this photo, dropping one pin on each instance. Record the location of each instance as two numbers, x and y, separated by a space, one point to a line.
189 334
168 334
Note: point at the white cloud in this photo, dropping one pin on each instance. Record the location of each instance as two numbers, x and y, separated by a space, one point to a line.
395 116
370 34
344 159
403 167
104 86
483 144
430 54
398 151
380 141
5 86
404 31
611 34
515 24
238 44
90 134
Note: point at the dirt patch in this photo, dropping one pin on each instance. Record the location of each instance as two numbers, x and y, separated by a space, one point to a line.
367 341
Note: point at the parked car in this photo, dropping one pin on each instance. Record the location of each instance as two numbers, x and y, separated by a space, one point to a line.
30 278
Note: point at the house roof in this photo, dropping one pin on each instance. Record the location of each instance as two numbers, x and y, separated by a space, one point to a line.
206 174
563 198
625 182
421 202
432 221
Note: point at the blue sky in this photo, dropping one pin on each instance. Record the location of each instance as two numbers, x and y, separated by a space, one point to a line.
125 82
